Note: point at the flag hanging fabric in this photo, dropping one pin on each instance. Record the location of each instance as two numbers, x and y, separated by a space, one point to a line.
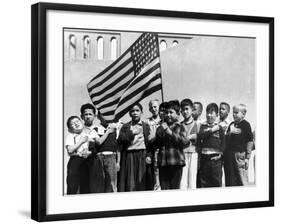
135 75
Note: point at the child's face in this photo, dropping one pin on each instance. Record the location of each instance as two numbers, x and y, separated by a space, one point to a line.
88 116
186 112
172 116
196 112
223 112
162 113
76 126
237 114
135 113
154 108
211 116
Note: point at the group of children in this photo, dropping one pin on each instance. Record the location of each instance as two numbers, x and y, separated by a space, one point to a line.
161 152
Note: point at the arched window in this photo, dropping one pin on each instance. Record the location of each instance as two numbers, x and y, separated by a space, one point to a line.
72 46
163 45
100 48
175 43
113 45
86 47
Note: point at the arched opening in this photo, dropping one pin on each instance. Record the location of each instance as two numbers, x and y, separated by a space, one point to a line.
175 43
163 45
100 48
86 47
72 46
113 45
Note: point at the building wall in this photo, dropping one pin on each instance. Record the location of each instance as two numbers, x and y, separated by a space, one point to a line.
211 69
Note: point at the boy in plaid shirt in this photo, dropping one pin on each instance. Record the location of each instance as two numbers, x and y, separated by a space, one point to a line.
170 141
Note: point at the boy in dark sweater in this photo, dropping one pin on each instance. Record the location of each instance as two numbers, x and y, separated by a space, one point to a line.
211 143
239 144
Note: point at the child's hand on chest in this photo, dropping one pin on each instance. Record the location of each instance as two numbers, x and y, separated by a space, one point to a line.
235 130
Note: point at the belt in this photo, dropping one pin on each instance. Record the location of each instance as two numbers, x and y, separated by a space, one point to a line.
106 153
210 156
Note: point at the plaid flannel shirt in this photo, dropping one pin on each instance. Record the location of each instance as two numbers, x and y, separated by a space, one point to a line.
170 146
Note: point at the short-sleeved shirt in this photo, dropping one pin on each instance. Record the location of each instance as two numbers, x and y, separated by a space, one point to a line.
238 142
72 139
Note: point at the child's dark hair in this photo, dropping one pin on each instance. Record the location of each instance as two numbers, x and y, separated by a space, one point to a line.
175 105
138 105
87 106
69 120
212 107
163 106
227 105
200 105
186 102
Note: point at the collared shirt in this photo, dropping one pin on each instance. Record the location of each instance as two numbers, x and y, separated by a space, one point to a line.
190 127
73 138
224 124
138 142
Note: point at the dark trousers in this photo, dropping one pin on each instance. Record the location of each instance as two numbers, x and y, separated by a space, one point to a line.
210 172
170 177
150 176
234 169
77 175
103 174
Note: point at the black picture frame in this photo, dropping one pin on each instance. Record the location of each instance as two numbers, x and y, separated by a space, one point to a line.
39 109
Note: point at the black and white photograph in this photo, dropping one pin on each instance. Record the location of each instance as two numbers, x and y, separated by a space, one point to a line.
157 111
142 112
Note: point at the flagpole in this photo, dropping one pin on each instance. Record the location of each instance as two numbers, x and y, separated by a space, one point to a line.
162 92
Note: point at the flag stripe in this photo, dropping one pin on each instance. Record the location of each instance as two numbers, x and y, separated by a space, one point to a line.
111 66
146 94
155 86
143 75
137 93
115 94
100 84
125 78
146 78
131 94
105 107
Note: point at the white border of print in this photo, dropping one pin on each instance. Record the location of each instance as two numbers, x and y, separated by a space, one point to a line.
59 204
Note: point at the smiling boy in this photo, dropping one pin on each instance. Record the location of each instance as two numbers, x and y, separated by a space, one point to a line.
76 144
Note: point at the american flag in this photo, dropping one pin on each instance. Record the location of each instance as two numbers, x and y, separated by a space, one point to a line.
135 75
